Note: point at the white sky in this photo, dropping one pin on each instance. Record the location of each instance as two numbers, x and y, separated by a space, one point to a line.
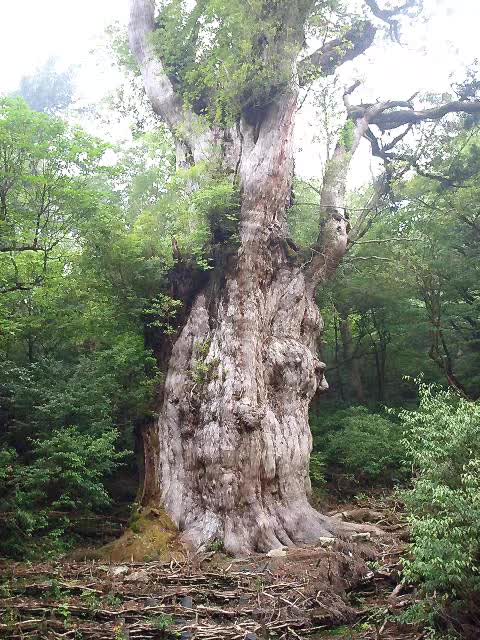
34 30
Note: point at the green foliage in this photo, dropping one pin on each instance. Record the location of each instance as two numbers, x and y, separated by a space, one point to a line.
120 48
65 473
76 378
362 445
228 58
443 446
162 622
193 219
67 469
163 311
347 134
91 599
219 202
408 291
216 546
203 370
213 53
47 191
317 470
303 216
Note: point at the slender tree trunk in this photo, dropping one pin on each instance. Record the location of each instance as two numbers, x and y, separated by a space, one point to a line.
351 359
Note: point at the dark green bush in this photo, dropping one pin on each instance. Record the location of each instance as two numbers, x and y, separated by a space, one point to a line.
364 447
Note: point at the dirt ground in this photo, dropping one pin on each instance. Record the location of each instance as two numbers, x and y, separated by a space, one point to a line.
347 590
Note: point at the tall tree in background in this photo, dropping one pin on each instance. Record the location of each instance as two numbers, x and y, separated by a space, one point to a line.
47 90
228 456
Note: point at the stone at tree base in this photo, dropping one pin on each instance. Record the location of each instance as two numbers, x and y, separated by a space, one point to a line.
361 536
187 602
362 515
277 553
137 576
152 602
325 541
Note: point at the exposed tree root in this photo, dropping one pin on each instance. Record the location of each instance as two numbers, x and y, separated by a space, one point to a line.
301 593
153 536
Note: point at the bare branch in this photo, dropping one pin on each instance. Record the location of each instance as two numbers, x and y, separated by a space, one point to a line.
367 217
326 60
348 92
21 286
390 145
21 248
387 14
386 119
390 16
383 240
381 258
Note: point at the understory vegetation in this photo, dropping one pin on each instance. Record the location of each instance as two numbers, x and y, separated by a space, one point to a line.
95 260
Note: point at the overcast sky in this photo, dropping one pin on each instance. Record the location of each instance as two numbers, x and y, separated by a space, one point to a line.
70 30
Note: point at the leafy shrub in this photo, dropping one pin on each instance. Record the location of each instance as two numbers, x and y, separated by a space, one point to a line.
65 475
443 445
317 471
67 470
361 445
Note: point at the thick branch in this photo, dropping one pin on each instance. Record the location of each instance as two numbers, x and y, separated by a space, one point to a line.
157 84
388 14
183 123
332 240
370 212
326 60
387 118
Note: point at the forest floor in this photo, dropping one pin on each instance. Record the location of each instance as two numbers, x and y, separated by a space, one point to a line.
346 590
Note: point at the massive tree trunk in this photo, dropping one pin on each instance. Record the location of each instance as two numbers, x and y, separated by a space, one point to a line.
228 458
232 447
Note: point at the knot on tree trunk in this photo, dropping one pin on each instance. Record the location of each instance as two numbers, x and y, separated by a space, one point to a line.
291 368
249 417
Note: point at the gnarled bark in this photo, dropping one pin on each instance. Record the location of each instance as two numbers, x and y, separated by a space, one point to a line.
233 440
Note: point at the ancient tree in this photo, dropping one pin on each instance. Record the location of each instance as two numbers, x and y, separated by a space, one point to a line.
228 457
